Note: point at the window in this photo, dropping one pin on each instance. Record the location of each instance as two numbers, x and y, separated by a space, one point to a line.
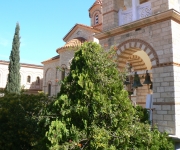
37 80
49 89
63 74
28 79
96 19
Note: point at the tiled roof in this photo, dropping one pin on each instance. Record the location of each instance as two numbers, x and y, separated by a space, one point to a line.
76 42
82 25
53 58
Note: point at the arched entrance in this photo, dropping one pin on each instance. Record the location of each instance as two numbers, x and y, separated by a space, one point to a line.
141 56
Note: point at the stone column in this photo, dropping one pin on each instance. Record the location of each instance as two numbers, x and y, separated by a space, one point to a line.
134 9
164 100
110 14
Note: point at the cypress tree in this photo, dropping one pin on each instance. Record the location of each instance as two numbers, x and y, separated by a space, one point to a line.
13 81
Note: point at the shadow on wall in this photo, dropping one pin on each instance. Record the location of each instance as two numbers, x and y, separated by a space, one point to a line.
34 87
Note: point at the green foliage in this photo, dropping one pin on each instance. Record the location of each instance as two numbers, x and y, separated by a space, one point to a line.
19 120
13 81
94 112
142 114
143 138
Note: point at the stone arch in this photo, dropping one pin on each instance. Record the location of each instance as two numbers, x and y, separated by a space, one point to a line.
94 12
64 66
136 62
138 44
63 71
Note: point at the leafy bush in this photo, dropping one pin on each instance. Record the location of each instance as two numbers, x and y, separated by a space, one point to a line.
19 118
142 114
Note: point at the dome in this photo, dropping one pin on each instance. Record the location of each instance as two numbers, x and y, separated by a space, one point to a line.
76 42
97 2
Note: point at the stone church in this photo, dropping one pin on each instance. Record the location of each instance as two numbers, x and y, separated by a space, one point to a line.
147 36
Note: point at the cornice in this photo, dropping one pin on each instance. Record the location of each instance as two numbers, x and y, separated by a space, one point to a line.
51 60
110 12
31 66
75 27
167 15
167 64
3 62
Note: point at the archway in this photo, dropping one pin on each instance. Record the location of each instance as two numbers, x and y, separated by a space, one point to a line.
134 45
141 56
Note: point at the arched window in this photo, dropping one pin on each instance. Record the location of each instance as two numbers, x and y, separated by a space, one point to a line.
63 74
29 79
49 89
37 80
96 19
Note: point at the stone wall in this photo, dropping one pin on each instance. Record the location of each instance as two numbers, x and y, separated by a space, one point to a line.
163 37
84 33
51 76
26 70
158 35
164 99
111 8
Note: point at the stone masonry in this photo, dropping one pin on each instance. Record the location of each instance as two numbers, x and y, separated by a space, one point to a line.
159 37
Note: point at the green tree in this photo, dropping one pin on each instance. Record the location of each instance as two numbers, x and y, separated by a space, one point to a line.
13 80
19 121
94 112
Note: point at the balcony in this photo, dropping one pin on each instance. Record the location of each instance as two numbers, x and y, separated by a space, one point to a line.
135 13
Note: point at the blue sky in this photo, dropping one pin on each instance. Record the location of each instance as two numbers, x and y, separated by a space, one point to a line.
43 24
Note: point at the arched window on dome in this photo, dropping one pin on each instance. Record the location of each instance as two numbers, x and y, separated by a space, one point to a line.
96 19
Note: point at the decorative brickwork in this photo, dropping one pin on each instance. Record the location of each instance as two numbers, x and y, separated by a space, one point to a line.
167 64
140 44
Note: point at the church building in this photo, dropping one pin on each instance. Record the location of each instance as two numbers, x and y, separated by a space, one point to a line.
31 76
146 34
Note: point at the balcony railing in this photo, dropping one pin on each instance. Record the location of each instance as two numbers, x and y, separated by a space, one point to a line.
140 11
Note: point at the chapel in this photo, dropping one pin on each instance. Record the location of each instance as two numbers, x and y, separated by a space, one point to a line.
146 34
